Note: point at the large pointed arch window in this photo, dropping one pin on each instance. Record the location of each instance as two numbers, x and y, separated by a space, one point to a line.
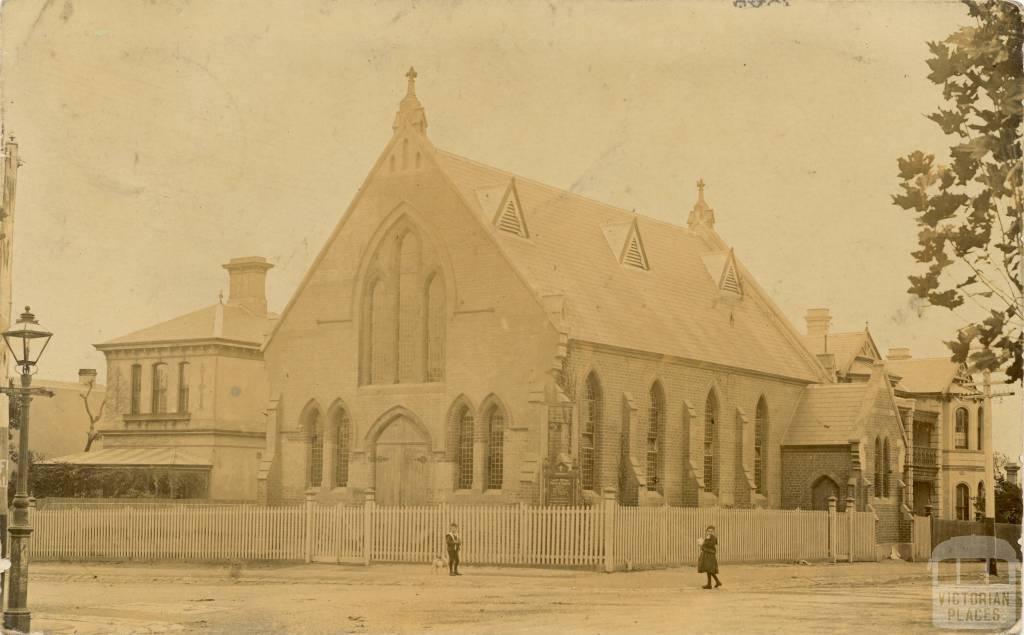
711 443
590 428
760 437
403 313
655 430
435 328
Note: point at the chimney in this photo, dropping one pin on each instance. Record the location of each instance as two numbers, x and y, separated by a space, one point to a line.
818 321
248 283
86 376
898 353
1011 472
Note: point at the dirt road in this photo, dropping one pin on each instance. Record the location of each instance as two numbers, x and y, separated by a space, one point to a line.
133 598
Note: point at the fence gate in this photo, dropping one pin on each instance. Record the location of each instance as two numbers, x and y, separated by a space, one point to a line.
922 538
335 534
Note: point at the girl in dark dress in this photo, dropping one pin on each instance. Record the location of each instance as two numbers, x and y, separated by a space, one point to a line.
708 561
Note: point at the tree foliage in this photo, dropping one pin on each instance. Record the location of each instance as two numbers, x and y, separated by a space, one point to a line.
968 210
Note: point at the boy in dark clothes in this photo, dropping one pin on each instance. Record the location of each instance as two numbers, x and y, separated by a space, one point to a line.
454 543
708 562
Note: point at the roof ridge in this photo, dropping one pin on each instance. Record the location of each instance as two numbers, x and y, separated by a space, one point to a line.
628 214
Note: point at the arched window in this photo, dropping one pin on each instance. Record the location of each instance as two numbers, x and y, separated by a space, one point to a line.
315 434
405 154
711 443
380 336
159 401
980 503
410 311
135 406
886 468
402 330
435 328
655 427
760 436
878 466
343 438
963 502
981 428
465 448
183 379
960 431
495 448
589 430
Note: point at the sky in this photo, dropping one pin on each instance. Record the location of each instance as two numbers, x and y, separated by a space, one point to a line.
161 139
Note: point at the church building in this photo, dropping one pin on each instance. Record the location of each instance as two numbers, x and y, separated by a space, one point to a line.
467 335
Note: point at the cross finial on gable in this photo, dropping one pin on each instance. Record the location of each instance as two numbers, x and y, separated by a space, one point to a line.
410 110
412 75
702 214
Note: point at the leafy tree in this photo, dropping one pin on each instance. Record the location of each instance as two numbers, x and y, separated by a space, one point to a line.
968 211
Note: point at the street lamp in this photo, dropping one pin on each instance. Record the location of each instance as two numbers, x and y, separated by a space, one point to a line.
26 341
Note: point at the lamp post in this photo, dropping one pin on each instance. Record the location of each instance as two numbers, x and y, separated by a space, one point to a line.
26 341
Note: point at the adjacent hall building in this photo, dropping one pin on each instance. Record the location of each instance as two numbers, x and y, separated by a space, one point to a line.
467 335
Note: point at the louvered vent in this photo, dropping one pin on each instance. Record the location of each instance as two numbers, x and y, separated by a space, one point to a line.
731 281
509 220
634 254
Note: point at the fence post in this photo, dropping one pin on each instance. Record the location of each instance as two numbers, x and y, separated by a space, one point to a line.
521 527
833 538
369 502
851 507
309 527
609 505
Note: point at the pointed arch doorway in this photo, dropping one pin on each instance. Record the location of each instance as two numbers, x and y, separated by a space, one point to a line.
401 460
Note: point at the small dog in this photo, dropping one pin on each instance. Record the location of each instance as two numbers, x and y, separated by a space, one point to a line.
438 564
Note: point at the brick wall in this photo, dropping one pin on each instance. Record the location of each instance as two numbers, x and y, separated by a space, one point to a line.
803 466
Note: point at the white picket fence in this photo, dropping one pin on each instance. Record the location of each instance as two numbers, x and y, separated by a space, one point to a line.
605 536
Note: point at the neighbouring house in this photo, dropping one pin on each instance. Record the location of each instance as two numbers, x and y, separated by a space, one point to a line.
467 335
951 456
186 397
947 463
60 424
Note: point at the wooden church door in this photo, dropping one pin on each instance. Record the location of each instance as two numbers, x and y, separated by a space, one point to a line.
402 465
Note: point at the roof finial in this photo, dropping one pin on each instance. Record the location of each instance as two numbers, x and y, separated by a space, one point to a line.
702 214
410 110
411 75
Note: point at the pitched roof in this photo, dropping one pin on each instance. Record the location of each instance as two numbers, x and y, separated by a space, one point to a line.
132 456
828 414
844 347
675 307
227 322
933 375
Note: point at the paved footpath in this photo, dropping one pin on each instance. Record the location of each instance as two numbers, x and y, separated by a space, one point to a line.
885 597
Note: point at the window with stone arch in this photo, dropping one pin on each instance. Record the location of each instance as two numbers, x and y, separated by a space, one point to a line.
963 502
886 467
878 466
315 438
981 428
960 429
159 401
495 419
464 448
711 443
342 446
760 438
655 432
590 427
403 311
